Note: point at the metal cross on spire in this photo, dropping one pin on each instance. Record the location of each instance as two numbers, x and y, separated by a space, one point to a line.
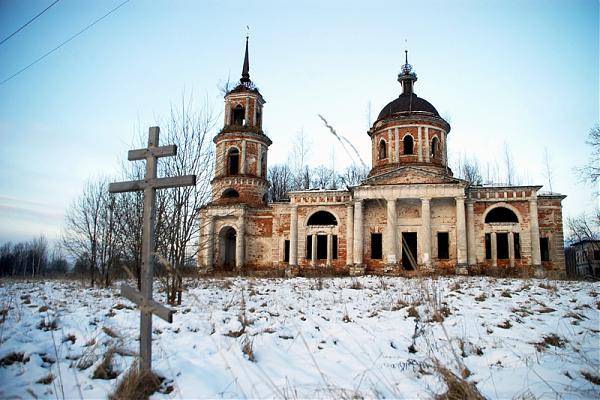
149 185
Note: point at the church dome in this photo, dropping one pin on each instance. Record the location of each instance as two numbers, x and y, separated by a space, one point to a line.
407 103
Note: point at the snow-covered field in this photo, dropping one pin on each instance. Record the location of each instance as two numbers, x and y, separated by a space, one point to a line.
367 337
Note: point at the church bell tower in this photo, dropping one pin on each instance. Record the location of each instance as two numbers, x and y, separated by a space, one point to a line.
241 146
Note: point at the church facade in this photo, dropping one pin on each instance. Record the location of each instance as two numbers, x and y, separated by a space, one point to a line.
409 214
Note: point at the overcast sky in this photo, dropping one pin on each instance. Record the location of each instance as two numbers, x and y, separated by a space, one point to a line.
521 73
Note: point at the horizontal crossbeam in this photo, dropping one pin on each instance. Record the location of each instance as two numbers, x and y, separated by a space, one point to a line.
151 306
158 183
142 154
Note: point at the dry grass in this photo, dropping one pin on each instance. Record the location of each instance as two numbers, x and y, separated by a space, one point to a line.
110 332
46 380
13 358
412 312
356 285
48 325
70 338
550 340
105 370
247 349
591 377
457 388
136 385
505 325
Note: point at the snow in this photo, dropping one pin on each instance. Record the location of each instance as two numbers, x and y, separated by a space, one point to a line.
312 338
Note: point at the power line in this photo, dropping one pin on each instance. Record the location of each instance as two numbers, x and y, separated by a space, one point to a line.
28 22
65 42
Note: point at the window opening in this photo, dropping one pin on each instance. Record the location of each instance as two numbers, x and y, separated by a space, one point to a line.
238 115
322 218
501 214
308 247
234 161
442 238
502 246
434 147
545 248
286 251
517 243
596 254
488 246
376 246
382 150
409 250
408 144
230 193
321 247
335 247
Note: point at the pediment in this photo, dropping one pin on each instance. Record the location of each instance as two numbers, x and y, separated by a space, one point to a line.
411 175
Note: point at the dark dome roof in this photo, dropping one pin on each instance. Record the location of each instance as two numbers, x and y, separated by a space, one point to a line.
407 103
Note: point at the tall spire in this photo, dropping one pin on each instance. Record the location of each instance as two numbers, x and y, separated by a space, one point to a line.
407 77
246 68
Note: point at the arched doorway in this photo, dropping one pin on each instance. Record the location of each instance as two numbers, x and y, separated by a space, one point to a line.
228 242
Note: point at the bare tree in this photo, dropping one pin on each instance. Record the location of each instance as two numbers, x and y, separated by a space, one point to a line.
87 229
282 180
547 168
353 175
590 172
322 177
585 227
178 208
509 166
468 169
299 157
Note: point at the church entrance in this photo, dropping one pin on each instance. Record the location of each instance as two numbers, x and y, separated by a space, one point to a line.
409 250
228 247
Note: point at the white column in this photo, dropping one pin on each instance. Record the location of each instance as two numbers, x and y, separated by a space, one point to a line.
294 236
397 149
349 233
494 250
227 113
461 233
313 255
421 145
426 229
511 248
210 242
471 248
259 160
247 111
391 242
240 242
536 258
329 249
243 160
358 233
426 149
253 115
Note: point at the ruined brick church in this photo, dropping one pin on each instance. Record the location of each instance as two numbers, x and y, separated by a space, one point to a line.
409 214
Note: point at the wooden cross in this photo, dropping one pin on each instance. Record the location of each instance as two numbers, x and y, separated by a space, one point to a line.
149 185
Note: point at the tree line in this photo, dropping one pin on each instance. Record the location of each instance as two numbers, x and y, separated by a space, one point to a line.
31 259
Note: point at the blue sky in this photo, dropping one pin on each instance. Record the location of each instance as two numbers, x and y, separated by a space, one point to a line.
524 73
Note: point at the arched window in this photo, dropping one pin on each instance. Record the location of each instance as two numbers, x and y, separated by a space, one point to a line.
238 115
382 150
501 214
435 151
233 159
230 193
408 144
322 218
